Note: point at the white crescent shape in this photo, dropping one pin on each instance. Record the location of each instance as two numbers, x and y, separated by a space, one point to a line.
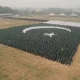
43 27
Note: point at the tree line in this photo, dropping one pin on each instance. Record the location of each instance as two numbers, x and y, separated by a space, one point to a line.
30 11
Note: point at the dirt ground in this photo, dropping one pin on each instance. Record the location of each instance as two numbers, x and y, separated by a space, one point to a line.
46 17
7 23
19 65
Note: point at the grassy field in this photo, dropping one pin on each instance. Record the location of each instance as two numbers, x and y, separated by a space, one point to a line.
45 17
19 65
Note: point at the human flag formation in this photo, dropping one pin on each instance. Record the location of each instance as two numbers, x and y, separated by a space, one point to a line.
54 42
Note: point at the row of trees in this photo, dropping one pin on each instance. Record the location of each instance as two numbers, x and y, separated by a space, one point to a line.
5 10
60 48
29 11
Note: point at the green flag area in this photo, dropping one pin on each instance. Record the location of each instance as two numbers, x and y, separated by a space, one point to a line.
54 42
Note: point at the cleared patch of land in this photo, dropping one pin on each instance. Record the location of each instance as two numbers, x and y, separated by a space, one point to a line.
7 23
45 17
19 65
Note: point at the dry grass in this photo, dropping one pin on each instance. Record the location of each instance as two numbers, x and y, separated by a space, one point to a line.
19 65
7 23
69 19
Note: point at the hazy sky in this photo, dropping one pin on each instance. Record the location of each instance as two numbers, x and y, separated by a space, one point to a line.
41 3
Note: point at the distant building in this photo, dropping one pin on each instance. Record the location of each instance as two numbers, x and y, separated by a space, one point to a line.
51 15
62 15
16 15
6 15
39 10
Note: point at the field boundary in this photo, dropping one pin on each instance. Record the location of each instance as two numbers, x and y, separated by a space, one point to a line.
39 20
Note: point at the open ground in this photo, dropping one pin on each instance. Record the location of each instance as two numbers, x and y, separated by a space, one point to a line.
19 65
45 17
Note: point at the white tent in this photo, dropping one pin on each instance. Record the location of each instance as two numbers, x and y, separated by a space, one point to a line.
73 15
62 14
51 14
